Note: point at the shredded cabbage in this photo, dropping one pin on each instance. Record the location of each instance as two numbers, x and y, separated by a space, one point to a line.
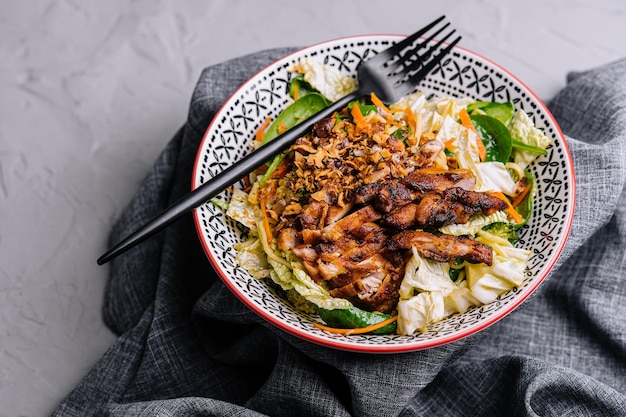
424 275
427 295
475 223
251 256
420 311
241 209
507 271
495 177
523 130
329 81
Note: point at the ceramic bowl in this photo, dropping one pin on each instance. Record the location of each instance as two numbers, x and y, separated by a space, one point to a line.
461 74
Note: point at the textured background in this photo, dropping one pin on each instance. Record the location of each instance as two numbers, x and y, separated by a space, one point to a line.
90 92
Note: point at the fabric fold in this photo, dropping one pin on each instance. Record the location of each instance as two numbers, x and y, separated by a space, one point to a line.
188 346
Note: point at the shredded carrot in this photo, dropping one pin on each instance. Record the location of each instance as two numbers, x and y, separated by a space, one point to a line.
449 144
520 197
268 191
379 103
410 118
266 221
281 170
358 330
359 120
467 122
510 210
394 123
261 131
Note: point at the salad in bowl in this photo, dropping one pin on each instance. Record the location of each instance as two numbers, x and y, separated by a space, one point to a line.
387 219
387 227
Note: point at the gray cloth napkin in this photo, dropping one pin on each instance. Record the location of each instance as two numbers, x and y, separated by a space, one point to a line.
187 346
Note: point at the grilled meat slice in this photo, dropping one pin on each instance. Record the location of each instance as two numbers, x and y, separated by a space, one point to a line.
402 217
375 292
310 216
442 248
354 224
333 250
287 238
348 242
338 258
325 207
366 193
393 195
374 283
388 195
348 256
435 179
434 210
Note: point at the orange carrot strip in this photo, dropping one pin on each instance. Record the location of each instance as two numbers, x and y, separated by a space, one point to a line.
465 119
379 103
281 170
268 191
449 144
261 131
358 330
510 210
520 197
410 118
266 221
467 122
359 120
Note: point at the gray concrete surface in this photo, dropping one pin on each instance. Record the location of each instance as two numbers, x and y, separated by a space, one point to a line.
90 92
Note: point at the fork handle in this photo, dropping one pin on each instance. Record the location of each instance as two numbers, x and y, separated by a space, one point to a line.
219 182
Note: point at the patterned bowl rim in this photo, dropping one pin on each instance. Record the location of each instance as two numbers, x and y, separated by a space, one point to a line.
346 343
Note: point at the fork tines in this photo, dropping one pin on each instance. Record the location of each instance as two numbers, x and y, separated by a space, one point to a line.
404 58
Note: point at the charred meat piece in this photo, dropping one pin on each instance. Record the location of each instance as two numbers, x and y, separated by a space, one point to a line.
442 248
351 224
320 213
332 251
402 217
393 195
366 193
338 258
388 195
377 291
348 256
434 179
324 127
310 216
434 210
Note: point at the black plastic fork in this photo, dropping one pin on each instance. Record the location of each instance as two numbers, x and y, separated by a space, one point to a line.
390 74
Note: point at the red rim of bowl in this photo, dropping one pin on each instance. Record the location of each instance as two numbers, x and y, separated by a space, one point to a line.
408 347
